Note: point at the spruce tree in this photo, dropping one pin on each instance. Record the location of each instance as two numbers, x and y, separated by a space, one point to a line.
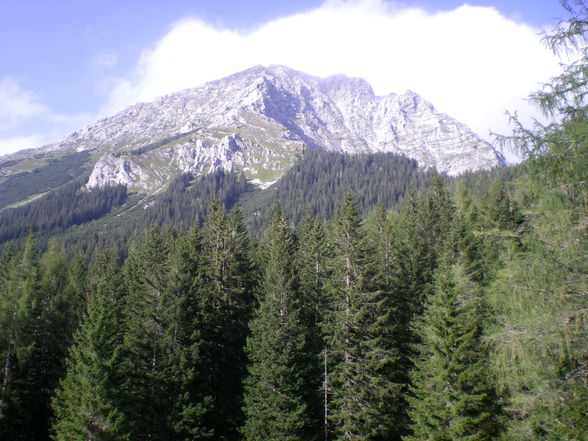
87 402
452 397
361 355
37 326
226 303
160 345
51 327
33 356
314 254
381 239
405 269
20 309
411 262
191 401
77 292
276 394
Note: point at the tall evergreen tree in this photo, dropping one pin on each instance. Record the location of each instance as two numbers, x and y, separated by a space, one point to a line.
159 349
145 344
226 303
77 297
36 341
87 402
499 211
191 401
452 397
380 259
276 394
314 254
382 238
362 388
52 326
20 309
406 267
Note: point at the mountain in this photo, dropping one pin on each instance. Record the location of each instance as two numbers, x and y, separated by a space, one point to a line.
257 121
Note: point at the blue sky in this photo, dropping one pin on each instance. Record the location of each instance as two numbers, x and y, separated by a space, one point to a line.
66 63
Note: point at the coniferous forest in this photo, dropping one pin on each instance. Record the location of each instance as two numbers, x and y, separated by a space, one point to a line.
460 314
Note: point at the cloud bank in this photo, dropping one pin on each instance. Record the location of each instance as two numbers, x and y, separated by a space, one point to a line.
22 111
470 62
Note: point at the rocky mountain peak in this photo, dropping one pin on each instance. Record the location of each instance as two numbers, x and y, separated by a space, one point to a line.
259 120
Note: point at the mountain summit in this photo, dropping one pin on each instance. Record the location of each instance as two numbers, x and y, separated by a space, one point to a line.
259 121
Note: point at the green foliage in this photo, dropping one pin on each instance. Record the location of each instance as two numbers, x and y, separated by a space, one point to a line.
320 178
39 318
226 304
19 307
498 209
184 203
359 342
541 334
60 210
50 176
111 218
188 197
86 402
313 270
275 391
452 396
161 347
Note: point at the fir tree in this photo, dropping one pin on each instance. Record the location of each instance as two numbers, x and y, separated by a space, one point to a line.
51 329
191 403
226 303
381 239
499 211
405 268
87 403
34 351
276 395
362 388
314 254
20 310
452 396
159 348
410 262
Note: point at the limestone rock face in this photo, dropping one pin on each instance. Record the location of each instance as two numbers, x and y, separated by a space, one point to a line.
257 121
111 170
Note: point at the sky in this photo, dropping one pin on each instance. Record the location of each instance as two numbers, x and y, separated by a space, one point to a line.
66 63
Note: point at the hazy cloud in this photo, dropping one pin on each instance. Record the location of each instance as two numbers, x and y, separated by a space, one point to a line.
16 103
471 62
21 111
13 143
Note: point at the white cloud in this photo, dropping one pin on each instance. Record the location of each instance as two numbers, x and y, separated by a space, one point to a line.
471 62
14 143
16 104
22 112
